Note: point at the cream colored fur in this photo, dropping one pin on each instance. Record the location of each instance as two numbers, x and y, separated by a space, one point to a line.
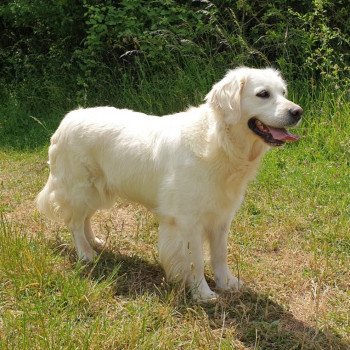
190 168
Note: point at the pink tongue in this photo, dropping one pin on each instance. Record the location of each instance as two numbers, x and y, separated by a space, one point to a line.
282 134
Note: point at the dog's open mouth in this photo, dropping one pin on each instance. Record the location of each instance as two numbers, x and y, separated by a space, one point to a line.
272 136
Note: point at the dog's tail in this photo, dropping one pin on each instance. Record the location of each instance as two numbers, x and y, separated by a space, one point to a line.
46 201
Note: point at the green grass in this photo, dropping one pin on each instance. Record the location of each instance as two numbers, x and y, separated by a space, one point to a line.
290 241
30 110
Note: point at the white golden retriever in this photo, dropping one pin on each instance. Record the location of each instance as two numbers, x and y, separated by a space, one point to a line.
191 169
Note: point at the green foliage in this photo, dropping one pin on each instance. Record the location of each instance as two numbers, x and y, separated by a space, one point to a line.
300 37
156 29
137 53
327 46
134 34
96 39
38 36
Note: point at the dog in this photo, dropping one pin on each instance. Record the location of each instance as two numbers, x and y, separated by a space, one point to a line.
190 168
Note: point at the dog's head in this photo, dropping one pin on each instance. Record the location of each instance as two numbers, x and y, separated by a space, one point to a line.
256 98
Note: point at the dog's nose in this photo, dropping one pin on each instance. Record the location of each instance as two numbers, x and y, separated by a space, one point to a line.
296 112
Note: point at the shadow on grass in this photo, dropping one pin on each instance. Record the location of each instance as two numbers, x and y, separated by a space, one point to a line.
262 323
135 276
258 321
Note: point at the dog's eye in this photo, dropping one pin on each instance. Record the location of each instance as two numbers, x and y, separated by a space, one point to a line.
263 94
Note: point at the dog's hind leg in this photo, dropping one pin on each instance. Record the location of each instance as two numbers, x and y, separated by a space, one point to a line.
96 242
181 255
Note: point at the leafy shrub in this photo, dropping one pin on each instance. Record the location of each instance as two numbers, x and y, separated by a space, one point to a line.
91 39
38 35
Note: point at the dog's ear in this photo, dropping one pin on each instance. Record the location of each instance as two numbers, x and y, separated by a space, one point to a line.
225 96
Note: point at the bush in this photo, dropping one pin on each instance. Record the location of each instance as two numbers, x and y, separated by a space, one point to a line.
39 36
90 39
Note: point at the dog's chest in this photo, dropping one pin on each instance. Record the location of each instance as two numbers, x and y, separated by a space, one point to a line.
238 177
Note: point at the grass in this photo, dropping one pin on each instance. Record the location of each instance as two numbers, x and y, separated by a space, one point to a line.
290 241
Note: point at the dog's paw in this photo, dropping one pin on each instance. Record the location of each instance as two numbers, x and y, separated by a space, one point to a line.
87 255
204 295
206 298
98 243
229 282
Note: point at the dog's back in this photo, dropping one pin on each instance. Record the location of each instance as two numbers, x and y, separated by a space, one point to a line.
99 153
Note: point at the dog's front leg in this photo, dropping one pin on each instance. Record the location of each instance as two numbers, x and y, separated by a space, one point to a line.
194 261
218 254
